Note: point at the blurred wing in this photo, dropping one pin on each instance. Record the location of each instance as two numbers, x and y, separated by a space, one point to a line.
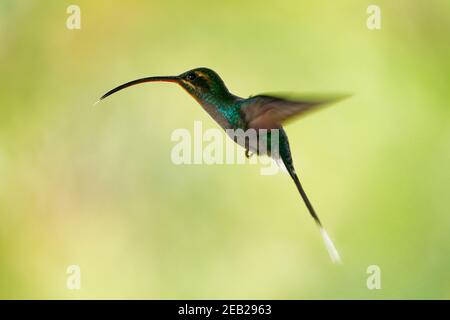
270 111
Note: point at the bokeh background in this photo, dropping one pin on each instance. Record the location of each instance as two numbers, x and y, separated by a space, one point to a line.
95 187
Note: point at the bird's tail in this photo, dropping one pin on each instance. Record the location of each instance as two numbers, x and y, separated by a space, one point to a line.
334 254
332 251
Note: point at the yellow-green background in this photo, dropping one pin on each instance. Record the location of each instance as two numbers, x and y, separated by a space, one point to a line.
95 187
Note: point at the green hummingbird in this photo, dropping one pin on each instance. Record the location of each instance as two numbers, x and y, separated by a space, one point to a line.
264 111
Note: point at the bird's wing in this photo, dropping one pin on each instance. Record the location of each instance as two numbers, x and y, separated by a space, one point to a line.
270 111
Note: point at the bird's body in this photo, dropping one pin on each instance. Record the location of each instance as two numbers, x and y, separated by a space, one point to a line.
262 113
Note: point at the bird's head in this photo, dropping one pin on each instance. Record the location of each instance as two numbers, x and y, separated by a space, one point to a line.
201 83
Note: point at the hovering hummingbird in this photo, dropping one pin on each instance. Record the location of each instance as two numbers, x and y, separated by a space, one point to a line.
258 112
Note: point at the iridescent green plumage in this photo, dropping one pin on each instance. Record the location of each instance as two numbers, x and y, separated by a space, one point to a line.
261 112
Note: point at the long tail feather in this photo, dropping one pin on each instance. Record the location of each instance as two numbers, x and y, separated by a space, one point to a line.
334 254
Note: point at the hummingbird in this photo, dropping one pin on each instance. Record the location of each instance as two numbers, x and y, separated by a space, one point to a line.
263 111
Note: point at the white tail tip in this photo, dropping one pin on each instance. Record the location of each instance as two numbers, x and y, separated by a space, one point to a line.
96 103
334 254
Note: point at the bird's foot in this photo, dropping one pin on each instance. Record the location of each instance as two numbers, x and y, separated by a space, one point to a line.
248 154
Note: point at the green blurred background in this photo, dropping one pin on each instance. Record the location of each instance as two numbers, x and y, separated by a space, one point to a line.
95 187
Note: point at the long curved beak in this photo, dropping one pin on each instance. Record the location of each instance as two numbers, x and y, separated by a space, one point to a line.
138 81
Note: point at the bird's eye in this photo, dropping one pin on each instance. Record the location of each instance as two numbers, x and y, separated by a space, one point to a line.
191 76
